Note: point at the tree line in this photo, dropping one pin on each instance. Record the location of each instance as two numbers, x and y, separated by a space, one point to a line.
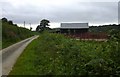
10 22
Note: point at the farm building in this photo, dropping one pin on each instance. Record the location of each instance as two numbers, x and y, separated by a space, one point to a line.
79 30
73 28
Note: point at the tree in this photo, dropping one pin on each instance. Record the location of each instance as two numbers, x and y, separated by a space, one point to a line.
10 22
30 28
43 25
15 24
37 28
4 20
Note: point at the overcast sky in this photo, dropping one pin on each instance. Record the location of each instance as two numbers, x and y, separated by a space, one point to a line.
57 11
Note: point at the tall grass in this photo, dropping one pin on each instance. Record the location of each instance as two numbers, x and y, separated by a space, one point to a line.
55 54
12 34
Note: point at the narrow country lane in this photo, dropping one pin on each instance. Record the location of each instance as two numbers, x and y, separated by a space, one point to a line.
11 53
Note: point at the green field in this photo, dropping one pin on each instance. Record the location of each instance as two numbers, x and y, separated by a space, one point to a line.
55 54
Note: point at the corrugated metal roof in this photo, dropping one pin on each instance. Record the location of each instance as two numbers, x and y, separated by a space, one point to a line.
74 25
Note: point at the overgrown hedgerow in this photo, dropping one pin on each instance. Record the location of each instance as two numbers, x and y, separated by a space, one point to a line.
56 54
12 34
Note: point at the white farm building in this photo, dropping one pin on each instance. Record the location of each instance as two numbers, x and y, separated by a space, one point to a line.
73 28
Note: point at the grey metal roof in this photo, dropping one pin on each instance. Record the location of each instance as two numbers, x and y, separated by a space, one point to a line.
74 25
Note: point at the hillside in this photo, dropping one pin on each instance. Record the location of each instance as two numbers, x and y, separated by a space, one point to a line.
103 28
11 33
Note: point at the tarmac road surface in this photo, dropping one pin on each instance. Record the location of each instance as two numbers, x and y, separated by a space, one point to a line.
11 53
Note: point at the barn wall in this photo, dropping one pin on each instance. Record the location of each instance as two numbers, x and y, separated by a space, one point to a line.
73 31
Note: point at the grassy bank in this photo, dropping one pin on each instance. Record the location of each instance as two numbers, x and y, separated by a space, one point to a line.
11 33
55 54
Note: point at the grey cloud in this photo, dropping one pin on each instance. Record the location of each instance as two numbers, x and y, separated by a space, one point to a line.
93 12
